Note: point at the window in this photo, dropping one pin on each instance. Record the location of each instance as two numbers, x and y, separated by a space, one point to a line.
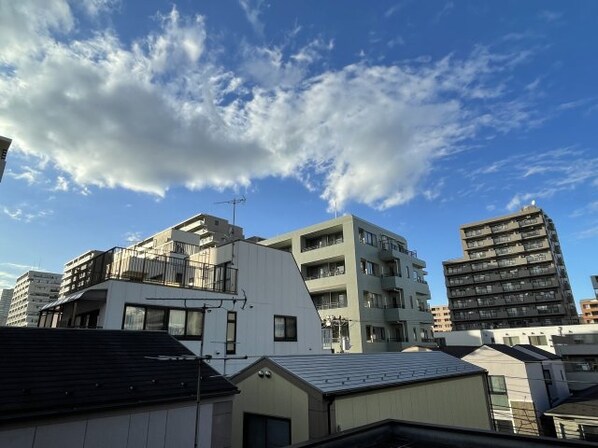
373 300
375 334
512 340
231 333
538 340
498 392
504 426
285 328
369 268
368 238
179 322
264 431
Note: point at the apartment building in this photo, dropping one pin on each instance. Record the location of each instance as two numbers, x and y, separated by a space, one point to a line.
4 145
589 311
368 287
198 232
589 307
512 274
33 290
5 299
442 318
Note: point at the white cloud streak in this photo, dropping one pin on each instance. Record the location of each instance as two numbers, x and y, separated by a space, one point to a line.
161 112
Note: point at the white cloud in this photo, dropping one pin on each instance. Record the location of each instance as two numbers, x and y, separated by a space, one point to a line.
61 184
26 214
591 232
521 199
253 12
29 174
133 237
162 112
550 16
588 209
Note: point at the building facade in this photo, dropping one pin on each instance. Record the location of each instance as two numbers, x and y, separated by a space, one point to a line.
291 399
589 311
512 274
442 318
368 287
33 290
4 145
5 299
260 306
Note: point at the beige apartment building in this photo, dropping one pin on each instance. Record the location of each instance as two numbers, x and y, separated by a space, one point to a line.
33 290
368 287
589 311
442 318
512 274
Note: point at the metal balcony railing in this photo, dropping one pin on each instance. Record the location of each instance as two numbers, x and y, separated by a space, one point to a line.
149 267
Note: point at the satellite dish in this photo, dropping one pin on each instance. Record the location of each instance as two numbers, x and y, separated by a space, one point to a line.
533 202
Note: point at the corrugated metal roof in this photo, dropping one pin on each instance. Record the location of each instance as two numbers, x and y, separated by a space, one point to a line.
344 373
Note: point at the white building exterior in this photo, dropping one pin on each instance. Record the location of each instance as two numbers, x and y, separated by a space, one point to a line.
368 286
577 345
33 290
265 308
5 299
520 387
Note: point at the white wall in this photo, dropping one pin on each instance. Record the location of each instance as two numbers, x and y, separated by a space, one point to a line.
273 286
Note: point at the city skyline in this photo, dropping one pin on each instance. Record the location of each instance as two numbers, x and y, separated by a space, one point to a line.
127 118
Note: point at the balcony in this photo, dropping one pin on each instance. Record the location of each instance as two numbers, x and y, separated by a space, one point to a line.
389 250
391 282
148 267
322 241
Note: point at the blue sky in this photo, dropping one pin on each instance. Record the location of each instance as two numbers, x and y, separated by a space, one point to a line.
130 116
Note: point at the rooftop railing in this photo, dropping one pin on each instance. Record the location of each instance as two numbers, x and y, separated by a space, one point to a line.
148 267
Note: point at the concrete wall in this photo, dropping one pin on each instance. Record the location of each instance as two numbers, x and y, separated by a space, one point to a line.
437 402
156 427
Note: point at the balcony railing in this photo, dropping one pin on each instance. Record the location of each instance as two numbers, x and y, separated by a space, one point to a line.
324 242
155 268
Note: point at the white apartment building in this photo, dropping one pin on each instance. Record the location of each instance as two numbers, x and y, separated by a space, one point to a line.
442 318
33 290
368 287
234 303
198 232
5 299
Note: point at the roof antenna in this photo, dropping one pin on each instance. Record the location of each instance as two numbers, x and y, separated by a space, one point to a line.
231 232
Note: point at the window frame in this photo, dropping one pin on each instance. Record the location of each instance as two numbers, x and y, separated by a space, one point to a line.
231 343
287 320
166 319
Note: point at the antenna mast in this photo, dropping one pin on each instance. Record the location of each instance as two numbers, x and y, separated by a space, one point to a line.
234 203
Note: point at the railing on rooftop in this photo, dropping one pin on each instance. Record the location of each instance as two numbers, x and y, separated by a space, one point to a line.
155 268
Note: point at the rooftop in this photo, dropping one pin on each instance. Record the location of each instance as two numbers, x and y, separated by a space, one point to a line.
347 373
582 404
52 372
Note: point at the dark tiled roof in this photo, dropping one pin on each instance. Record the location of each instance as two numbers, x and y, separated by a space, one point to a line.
538 351
582 404
45 371
458 351
513 352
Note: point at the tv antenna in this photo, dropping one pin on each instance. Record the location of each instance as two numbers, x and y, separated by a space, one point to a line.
234 203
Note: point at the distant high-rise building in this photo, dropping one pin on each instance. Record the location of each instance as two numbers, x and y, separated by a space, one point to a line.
4 145
442 318
512 274
5 298
368 287
33 290
589 307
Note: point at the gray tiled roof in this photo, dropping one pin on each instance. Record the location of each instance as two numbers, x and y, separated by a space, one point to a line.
345 373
